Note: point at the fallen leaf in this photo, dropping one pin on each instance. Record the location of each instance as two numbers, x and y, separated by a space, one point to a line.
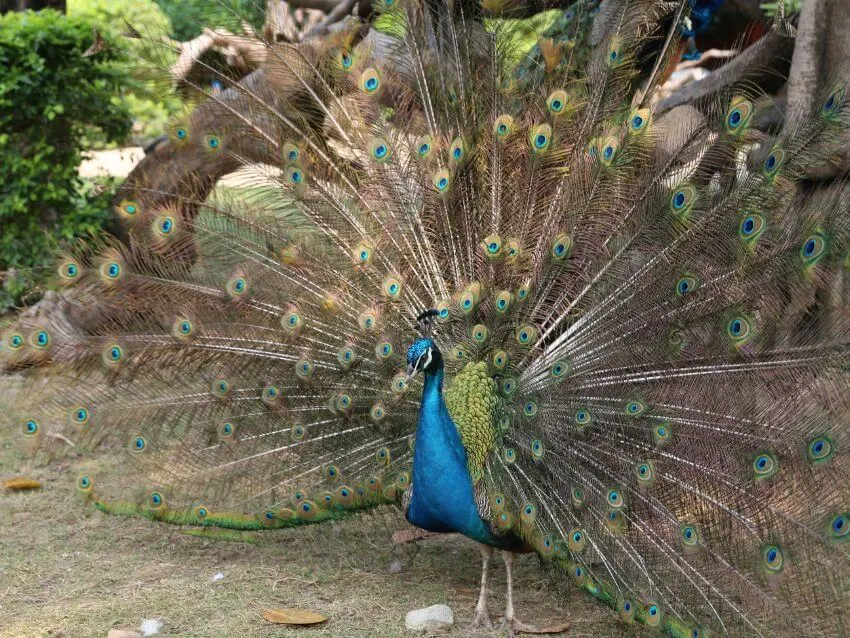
293 616
551 629
21 483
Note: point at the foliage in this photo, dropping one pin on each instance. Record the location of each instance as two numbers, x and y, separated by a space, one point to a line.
188 17
791 6
147 92
49 96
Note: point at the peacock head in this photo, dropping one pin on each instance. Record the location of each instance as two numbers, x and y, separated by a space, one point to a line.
423 356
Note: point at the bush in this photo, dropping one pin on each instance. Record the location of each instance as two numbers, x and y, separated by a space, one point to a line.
147 92
188 17
49 97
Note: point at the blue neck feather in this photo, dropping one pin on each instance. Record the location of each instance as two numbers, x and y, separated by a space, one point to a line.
443 498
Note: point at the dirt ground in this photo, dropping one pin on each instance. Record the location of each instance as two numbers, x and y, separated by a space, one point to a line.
67 570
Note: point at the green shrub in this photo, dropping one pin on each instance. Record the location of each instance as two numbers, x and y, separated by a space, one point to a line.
147 92
49 97
188 17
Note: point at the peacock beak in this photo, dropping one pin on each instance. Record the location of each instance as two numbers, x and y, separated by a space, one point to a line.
411 370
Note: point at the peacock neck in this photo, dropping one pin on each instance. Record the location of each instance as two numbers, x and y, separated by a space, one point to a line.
443 498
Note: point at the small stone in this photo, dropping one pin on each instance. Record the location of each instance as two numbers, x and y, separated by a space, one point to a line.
395 567
433 617
217 577
150 626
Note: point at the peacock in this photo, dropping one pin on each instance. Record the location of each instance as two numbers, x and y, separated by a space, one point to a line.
530 312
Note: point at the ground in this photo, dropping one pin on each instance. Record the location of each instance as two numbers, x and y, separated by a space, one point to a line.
69 570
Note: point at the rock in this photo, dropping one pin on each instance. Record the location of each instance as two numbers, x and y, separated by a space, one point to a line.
433 617
151 626
395 567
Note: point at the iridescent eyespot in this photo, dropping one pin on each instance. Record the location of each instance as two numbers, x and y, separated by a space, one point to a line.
576 540
559 369
270 395
614 55
220 387
765 465
530 408
370 81
639 120
460 353
523 292
346 357
69 270
615 498
540 137
609 150
227 430
690 535
30 427
509 455
500 359
661 433
182 328
181 133
682 201
739 330
424 146
557 102
380 150
84 483
444 311
367 320
163 226
492 246
627 611
583 417
652 615
479 333
739 114
80 416
773 162
537 449
528 513
833 103
687 283
441 180
399 383
292 322
503 126
384 350
773 558
343 402
504 301
526 335
40 339
294 175
331 473
304 369
839 527
383 456
15 341
111 271
497 502
509 386
820 449
291 153
577 497
346 61
561 246
113 355
457 150
138 444
156 500
212 142
813 249
750 228
392 287
237 287
297 432
201 512
645 473
127 209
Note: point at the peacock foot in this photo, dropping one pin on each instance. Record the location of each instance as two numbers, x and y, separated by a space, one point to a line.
481 621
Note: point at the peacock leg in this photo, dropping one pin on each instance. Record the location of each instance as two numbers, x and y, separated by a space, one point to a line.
482 618
511 623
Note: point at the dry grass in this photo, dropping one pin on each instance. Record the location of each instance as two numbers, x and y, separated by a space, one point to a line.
67 568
